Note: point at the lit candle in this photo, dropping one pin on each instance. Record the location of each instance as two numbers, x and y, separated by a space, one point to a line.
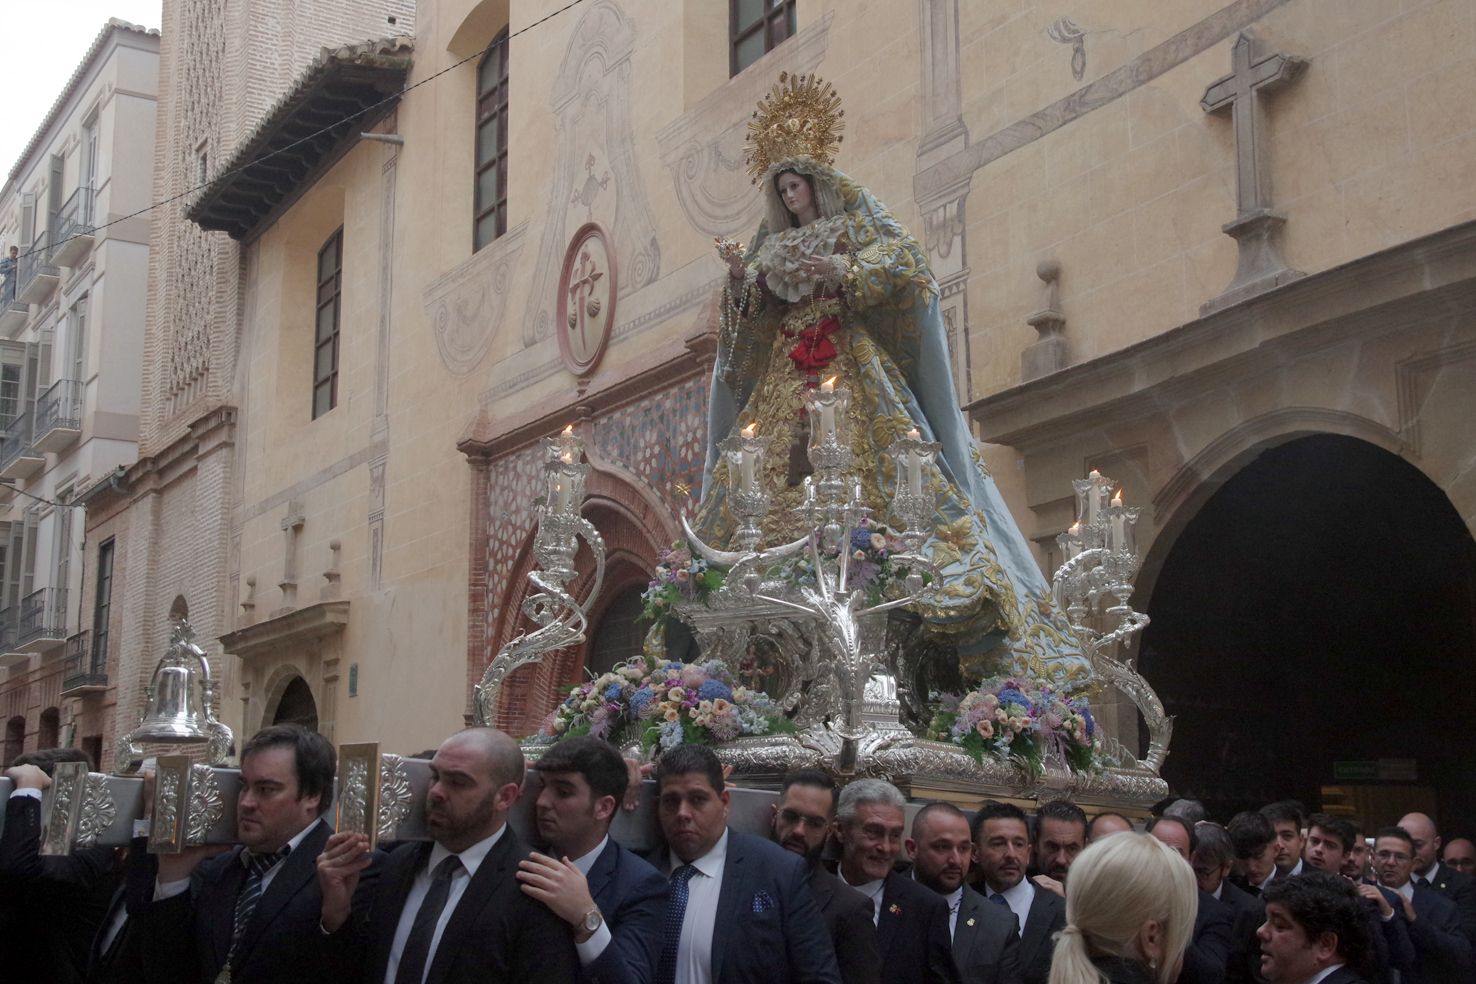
1118 521
1075 534
827 411
561 494
1094 497
913 435
745 461
914 466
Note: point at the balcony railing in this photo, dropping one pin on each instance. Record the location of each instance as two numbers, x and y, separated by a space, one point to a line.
58 416
8 654
18 458
42 619
38 277
86 669
74 228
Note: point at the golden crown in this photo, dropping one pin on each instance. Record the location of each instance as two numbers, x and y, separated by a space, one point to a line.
800 117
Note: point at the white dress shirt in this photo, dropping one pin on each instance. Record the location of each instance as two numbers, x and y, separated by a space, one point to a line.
471 860
169 889
1322 974
694 949
589 951
873 890
1407 889
1020 898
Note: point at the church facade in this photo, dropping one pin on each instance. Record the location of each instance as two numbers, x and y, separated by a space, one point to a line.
1169 242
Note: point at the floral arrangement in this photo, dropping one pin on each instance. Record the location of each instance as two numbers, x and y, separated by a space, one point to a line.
663 704
679 576
873 567
1025 722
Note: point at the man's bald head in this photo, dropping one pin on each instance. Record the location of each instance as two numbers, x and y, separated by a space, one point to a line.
1421 830
501 755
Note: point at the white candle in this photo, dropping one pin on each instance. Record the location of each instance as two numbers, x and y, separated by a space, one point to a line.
914 472
1094 497
913 435
1075 534
1118 524
745 462
827 411
561 495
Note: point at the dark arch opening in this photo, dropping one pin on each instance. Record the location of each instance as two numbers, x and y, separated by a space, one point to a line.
48 731
297 705
1314 634
179 609
15 738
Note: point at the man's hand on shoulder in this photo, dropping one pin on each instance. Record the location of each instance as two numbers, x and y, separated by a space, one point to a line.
561 886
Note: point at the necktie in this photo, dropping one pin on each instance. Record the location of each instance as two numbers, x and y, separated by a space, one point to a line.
999 899
257 865
671 932
418 943
1422 881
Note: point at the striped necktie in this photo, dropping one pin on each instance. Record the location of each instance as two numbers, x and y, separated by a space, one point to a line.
257 865
671 933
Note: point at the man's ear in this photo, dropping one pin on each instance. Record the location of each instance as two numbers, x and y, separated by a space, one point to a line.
1326 945
605 807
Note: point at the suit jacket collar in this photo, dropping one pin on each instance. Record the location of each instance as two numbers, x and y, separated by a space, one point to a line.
1038 924
888 921
736 874
299 869
603 869
822 886
966 929
495 872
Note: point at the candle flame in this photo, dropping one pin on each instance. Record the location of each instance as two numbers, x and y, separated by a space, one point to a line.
750 430
1117 498
913 435
1075 528
568 429
829 385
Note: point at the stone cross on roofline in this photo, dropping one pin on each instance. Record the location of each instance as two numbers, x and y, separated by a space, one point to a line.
1260 267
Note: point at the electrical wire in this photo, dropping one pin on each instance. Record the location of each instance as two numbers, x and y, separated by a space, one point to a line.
312 136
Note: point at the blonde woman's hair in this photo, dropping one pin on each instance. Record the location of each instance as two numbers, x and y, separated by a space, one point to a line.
1117 885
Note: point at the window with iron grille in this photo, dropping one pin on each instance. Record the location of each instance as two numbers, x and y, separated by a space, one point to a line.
325 339
491 189
101 603
755 28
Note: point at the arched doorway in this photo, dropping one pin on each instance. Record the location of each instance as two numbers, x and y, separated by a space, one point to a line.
48 732
297 706
15 738
1314 633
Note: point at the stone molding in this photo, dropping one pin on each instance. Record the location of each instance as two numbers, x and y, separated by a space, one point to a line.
296 629
1384 293
466 305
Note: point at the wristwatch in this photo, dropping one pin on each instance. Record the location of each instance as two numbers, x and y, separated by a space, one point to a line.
591 922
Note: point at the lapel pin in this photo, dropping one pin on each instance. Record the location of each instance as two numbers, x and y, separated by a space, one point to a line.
895 909
970 922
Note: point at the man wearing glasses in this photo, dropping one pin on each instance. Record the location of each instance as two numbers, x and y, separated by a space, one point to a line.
1460 854
1442 952
802 818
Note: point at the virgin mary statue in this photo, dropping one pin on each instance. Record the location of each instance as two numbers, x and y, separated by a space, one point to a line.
833 286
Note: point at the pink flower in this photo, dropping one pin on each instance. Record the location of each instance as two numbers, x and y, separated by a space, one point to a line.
985 729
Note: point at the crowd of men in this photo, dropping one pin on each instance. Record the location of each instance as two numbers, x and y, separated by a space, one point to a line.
1284 898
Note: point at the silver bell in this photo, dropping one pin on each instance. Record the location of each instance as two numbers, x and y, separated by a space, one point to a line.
179 705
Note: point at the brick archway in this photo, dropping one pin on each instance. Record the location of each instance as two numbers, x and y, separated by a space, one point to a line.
635 527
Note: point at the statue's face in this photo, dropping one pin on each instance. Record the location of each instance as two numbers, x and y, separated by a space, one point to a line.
796 194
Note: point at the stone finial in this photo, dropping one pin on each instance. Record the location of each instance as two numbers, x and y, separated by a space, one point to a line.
248 604
332 575
1049 353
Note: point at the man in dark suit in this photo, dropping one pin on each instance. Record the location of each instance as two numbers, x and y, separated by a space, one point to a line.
1002 849
1207 958
614 901
1427 872
1314 931
1214 855
911 920
252 909
1255 851
1060 834
740 907
1288 819
1328 840
448 911
1442 951
986 946
801 824
55 903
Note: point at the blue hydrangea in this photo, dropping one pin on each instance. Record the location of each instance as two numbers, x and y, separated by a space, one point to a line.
641 699
1009 695
861 540
612 692
714 690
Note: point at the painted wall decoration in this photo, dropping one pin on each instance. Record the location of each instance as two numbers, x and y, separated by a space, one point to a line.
588 290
